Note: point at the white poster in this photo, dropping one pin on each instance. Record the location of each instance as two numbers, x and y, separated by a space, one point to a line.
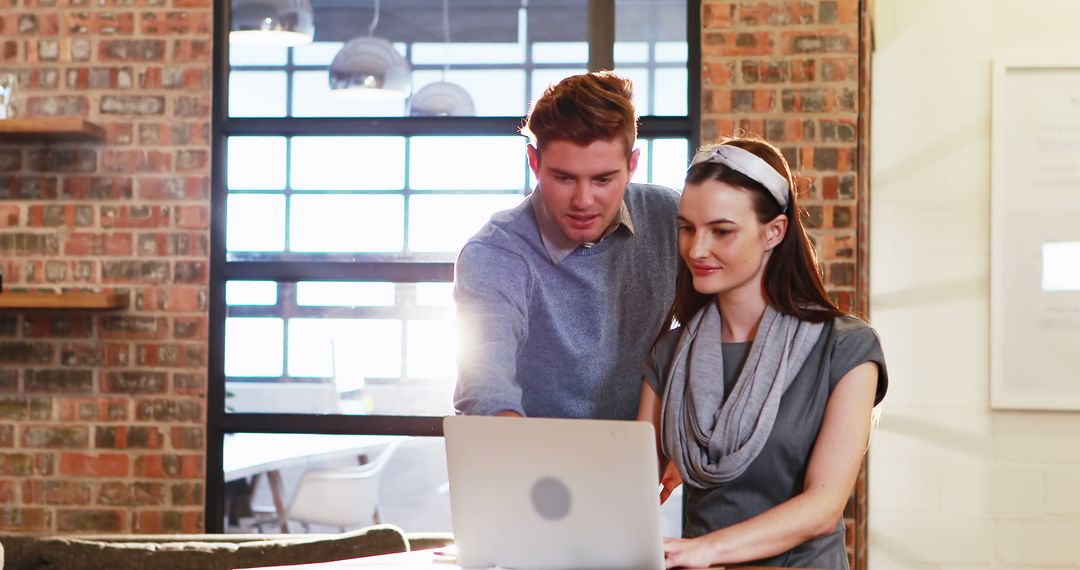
1035 227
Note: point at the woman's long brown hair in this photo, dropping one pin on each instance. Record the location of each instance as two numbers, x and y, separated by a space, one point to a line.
792 282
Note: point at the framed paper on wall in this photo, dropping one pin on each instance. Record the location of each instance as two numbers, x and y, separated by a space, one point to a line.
1035 236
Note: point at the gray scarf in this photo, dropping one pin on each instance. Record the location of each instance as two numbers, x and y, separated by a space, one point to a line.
712 443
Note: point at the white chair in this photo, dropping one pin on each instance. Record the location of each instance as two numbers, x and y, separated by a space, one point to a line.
342 497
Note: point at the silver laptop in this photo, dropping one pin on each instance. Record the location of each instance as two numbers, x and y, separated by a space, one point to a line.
554 494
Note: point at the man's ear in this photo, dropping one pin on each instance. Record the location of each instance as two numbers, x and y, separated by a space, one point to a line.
634 156
775 231
534 159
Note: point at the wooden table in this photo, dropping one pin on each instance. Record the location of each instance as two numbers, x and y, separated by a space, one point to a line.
417 560
249 455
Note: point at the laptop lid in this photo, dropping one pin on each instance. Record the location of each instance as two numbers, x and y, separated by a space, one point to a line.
554 494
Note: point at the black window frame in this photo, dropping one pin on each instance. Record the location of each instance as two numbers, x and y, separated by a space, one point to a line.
220 422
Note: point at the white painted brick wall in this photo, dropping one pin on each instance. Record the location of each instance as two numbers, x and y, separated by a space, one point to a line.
953 484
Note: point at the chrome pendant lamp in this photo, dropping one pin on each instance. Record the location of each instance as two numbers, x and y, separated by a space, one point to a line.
271 23
442 98
370 67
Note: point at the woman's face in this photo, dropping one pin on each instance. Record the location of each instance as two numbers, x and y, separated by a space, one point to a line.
721 240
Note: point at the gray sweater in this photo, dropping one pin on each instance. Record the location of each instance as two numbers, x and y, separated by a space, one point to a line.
566 339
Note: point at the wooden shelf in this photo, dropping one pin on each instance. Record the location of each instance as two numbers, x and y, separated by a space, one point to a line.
73 300
50 130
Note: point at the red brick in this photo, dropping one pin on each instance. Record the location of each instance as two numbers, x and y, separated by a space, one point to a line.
135 216
157 522
733 43
716 15
175 23
133 161
192 217
191 50
791 12
98 409
53 492
169 466
96 188
7 492
20 519
109 243
170 355
91 520
10 215
94 465
100 23
132 327
174 188
54 437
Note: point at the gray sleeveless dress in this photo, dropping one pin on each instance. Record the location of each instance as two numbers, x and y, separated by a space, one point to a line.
777 474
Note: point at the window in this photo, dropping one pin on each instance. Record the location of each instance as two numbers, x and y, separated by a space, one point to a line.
338 218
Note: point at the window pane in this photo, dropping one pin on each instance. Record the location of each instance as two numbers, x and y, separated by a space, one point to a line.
671 52
251 293
327 223
256 163
432 349
494 92
640 77
377 342
255 223
348 163
253 55
561 52
670 92
253 346
257 94
316 53
344 294
642 174
445 222
435 294
631 52
464 53
669 162
312 98
467 163
411 495
544 78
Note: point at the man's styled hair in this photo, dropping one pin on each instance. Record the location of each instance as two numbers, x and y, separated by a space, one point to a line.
584 109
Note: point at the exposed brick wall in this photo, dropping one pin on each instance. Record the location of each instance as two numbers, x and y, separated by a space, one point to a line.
792 72
102 414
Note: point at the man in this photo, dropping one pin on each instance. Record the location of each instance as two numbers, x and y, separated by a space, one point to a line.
561 297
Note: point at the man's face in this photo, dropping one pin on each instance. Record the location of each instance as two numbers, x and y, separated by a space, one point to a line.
582 186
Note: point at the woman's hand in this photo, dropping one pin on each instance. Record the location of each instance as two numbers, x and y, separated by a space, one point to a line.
689 552
669 481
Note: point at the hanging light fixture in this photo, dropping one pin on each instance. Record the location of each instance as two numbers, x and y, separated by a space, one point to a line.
271 23
370 67
442 98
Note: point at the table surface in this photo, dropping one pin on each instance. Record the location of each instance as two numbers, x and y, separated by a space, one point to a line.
417 560
246 454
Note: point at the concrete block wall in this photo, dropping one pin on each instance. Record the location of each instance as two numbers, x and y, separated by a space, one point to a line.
955 484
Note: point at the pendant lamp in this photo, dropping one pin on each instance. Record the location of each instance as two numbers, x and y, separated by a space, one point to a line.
271 23
442 98
370 67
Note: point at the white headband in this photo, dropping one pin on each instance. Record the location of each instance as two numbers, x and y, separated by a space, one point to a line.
749 164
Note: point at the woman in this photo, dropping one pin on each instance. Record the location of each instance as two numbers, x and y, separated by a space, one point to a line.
762 399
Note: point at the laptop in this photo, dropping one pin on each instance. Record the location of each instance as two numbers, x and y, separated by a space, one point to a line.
554 494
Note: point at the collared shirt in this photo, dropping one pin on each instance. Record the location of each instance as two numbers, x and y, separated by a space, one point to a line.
559 246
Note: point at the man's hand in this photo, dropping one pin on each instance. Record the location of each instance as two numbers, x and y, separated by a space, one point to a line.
509 414
669 481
